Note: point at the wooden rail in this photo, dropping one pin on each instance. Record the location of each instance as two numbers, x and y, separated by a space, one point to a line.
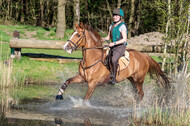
37 44
16 44
53 44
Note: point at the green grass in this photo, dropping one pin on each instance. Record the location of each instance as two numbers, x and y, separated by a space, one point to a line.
33 91
4 51
6 32
40 71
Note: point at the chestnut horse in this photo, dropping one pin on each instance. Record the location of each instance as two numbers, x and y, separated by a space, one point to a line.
93 70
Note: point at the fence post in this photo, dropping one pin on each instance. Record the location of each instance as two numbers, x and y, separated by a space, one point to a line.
16 52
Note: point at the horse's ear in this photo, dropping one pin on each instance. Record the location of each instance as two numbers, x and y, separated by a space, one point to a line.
81 25
77 26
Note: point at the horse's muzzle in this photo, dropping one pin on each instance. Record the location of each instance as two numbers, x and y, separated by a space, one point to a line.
68 48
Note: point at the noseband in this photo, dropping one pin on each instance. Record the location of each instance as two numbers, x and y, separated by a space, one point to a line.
85 49
77 43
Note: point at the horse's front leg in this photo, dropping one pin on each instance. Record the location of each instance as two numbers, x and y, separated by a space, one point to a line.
75 79
91 86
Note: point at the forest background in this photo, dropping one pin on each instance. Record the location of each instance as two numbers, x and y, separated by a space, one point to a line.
170 17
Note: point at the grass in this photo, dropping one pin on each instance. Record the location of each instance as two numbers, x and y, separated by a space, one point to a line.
27 31
41 72
18 76
38 71
33 91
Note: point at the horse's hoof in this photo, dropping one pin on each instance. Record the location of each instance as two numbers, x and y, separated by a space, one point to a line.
59 97
112 81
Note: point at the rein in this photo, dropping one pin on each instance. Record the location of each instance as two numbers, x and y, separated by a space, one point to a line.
84 59
85 50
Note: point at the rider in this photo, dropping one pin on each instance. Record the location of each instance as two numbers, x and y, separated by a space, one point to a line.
118 35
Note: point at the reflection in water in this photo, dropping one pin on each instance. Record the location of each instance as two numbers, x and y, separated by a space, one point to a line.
87 122
58 122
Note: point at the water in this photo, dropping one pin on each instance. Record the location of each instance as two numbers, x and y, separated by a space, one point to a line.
109 105
102 109
72 110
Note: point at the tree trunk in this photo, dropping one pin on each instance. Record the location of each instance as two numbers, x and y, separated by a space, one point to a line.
42 13
186 47
61 24
22 11
27 8
11 9
178 42
131 19
76 10
86 15
54 13
32 12
119 4
109 9
17 11
137 21
166 40
8 10
48 18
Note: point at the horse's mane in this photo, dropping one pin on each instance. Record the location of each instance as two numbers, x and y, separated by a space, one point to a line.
94 34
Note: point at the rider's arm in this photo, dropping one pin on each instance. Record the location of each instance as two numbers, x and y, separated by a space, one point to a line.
107 37
124 39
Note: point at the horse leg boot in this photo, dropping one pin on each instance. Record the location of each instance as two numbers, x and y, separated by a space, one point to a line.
61 90
75 79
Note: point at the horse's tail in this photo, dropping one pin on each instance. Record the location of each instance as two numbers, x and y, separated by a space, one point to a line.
155 68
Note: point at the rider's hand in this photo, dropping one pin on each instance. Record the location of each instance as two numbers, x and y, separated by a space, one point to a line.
111 44
103 39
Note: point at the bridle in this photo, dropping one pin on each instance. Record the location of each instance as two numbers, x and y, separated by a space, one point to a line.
84 55
77 43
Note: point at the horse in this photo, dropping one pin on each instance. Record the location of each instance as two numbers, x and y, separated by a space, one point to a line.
92 68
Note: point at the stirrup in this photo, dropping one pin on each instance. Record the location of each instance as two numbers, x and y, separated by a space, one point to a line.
112 80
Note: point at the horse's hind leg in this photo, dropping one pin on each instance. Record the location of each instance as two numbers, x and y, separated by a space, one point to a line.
75 79
138 86
133 84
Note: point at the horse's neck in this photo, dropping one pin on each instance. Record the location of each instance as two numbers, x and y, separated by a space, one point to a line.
91 53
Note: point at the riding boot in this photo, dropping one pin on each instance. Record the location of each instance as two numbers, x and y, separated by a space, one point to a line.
112 80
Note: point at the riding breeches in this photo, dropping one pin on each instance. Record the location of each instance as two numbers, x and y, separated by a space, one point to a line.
116 52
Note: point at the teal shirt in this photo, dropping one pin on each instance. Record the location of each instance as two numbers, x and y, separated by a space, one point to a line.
115 33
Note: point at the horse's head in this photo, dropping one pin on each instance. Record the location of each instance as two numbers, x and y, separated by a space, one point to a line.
76 40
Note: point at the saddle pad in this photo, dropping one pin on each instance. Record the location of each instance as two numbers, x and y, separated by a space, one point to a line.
124 61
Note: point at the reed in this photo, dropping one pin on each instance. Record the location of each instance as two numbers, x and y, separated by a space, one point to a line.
171 109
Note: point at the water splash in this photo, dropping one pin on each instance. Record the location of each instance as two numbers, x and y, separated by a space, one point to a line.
78 102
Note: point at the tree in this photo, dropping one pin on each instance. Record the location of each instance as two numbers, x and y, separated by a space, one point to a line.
42 12
76 10
119 4
166 40
131 19
61 23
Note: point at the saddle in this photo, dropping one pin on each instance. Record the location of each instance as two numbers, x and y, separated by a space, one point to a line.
123 62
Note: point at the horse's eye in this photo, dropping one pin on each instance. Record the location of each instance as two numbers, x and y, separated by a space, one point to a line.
78 35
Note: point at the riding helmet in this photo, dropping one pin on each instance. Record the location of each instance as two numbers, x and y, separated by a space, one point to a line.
118 11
